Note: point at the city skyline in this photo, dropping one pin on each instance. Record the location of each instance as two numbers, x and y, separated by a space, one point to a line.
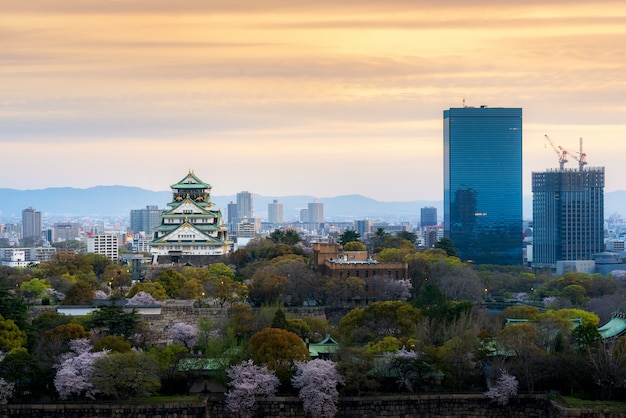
303 92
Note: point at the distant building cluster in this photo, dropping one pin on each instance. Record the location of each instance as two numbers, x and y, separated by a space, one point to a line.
482 214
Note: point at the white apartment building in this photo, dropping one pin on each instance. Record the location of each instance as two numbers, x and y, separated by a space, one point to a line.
105 244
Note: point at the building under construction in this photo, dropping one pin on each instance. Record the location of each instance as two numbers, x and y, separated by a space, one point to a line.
568 213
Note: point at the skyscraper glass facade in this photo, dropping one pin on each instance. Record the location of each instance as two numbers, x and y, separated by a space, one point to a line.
568 215
483 183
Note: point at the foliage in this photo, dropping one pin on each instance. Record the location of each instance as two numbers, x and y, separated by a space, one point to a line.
184 334
504 389
113 320
354 246
247 382
126 375
520 342
349 235
317 382
113 343
242 320
412 372
447 245
19 367
155 289
172 281
99 262
13 308
76 371
11 336
35 288
80 293
608 359
6 391
266 288
279 349
356 366
288 237
586 336
116 276
377 320
407 236
280 321
71 264
141 299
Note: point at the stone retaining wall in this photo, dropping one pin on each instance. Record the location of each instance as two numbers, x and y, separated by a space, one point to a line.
416 406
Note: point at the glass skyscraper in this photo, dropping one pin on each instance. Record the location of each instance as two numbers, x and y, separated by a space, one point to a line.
483 183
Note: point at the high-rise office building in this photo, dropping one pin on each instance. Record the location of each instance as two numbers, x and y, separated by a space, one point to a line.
232 213
244 205
145 219
363 227
568 215
483 183
428 216
316 212
31 223
275 212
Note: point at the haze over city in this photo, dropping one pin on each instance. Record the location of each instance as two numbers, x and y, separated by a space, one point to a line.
282 98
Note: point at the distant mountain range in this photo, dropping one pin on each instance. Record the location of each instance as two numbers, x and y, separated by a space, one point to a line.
119 200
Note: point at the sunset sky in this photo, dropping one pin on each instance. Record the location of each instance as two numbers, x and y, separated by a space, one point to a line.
285 97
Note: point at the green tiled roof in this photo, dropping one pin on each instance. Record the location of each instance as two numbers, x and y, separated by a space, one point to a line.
190 181
615 327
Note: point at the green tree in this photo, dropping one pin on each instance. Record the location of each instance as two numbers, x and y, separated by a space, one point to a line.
349 235
13 308
11 336
172 281
242 321
19 367
378 320
113 320
115 343
80 293
575 293
98 262
153 288
407 235
447 245
356 366
127 375
377 241
280 321
354 246
35 288
288 237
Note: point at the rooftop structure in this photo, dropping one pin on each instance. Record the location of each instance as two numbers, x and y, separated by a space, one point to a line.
190 229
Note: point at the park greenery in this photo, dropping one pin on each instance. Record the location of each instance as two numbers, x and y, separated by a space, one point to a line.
433 332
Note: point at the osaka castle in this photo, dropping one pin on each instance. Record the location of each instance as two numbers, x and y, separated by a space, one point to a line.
191 231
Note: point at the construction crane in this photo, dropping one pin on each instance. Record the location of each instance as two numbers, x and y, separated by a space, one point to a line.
560 151
581 157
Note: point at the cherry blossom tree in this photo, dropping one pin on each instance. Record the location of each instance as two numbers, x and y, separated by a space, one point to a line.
504 389
100 294
184 334
317 381
6 391
410 368
247 382
141 298
76 370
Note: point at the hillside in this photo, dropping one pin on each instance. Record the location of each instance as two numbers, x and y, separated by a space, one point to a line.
119 200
